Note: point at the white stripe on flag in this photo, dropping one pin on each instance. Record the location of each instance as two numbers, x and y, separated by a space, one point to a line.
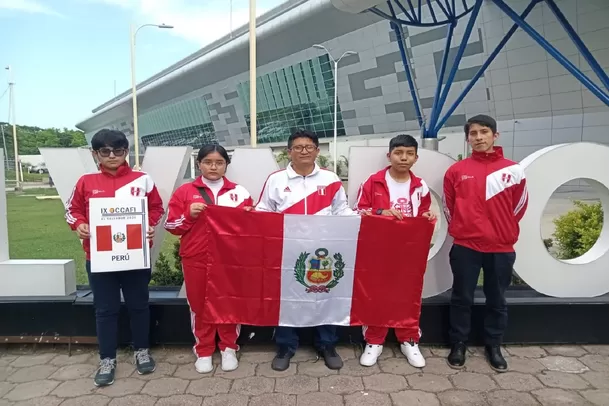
313 234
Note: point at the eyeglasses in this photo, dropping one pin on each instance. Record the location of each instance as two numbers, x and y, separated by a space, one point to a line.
219 164
105 152
300 148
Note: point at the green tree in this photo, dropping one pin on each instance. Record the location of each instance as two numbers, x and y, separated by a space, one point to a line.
577 230
30 138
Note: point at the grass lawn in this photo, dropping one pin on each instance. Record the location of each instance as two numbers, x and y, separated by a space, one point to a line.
38 230
28 177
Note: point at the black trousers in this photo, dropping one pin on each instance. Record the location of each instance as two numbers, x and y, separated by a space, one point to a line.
106 287
498 268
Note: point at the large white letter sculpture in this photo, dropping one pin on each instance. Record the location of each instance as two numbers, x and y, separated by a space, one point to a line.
431 166
546 170
24 277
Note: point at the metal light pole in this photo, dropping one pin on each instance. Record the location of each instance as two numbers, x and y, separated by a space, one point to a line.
11 104
335 62
253 121
4 143
136 140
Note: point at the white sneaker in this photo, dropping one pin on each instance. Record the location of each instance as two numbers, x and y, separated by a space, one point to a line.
412 354
370 355
204 365
229 360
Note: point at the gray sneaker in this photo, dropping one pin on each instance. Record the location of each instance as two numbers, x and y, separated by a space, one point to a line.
331 358
144 362
281 362
105 373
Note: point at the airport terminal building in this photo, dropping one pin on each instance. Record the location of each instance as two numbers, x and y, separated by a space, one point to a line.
204 98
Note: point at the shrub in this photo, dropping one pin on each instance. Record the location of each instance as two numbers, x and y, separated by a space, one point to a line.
577 230
165 274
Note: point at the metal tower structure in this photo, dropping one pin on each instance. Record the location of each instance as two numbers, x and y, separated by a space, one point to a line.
435 13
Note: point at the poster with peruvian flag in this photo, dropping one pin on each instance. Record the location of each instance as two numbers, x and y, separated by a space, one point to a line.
118 229
273 269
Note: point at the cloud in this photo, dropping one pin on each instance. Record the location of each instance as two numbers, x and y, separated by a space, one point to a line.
197 21
28 6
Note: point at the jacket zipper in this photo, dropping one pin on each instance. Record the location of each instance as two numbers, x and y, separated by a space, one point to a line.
304 185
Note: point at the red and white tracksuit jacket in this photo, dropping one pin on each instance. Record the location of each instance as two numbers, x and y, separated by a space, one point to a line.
319 193
485 196
374 194
192 240
125 183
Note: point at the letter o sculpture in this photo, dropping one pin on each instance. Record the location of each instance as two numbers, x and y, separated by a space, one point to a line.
545 171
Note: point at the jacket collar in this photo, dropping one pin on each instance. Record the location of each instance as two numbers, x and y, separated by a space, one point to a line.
496 155
122 170
228 185
415 181
292 174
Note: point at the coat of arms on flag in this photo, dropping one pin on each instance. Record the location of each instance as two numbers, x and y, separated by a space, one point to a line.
320 277
119 237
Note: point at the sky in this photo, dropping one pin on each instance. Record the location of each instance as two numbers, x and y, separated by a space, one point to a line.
68 56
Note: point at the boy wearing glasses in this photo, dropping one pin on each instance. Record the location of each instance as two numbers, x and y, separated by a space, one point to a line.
115 179
304 188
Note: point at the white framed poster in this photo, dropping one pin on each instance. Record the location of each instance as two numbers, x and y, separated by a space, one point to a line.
118 228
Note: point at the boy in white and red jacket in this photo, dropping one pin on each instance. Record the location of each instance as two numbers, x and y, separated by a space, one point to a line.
396 191
115 179
485 197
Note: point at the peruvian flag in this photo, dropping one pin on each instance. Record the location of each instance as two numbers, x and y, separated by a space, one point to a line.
275 269
115 238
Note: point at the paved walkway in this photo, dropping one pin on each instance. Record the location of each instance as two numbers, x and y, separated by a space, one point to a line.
557 375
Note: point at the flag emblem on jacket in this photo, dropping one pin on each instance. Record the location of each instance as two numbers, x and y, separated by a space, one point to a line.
135 191
321 190
233 197
320 277
506 177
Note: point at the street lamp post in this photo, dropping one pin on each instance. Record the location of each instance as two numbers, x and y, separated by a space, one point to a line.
253 107
136 140
335 62
11 103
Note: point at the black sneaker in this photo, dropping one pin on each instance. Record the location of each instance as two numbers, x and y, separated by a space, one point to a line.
144 362
105 373
331 358
495 358
456 358
281 362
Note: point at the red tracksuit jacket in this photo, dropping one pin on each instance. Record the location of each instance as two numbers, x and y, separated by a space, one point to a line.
179 222
485 196
125 183
373 194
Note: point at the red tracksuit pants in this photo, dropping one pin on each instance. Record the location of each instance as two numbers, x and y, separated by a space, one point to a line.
376 335
195 280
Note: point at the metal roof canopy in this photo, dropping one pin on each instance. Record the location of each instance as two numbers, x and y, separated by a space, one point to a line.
448 12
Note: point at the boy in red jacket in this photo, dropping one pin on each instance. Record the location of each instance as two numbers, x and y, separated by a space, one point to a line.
485 197
115 179
396 191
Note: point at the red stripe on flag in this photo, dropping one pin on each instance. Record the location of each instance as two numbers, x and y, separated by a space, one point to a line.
242 258
316 201
388 280
134 237
103 235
